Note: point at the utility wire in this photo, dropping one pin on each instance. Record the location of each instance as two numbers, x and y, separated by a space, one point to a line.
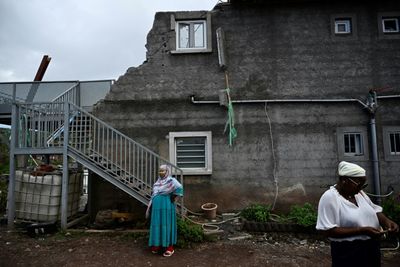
273 157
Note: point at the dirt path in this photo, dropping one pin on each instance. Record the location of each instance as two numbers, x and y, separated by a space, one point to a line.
79 249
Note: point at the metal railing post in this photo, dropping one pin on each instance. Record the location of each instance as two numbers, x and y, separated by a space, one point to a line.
14 95
11 185
182 205
78 94
65 173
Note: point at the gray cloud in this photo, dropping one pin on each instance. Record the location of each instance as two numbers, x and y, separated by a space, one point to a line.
86 39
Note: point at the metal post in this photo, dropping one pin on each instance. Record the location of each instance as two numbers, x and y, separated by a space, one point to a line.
14 95
65 174
183 211
11 184
78 95
89 195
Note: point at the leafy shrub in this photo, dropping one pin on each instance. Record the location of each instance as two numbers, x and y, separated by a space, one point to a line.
391 208
257 213
188 233
305 215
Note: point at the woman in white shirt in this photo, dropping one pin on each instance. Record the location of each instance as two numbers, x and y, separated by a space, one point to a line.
351 221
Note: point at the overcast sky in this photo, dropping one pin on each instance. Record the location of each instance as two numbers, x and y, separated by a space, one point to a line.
86 39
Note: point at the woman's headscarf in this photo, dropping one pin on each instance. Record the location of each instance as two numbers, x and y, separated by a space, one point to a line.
165 185
348 169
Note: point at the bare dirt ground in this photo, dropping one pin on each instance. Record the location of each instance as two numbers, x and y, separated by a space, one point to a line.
130 249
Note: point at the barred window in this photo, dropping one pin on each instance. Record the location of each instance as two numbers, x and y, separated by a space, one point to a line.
391 142
353 144
394 140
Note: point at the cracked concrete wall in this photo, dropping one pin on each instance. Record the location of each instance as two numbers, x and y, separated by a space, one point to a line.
274 52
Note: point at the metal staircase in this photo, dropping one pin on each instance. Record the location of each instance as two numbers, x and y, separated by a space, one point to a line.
62 127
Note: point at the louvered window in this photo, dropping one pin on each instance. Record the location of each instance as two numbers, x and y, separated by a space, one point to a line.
191 151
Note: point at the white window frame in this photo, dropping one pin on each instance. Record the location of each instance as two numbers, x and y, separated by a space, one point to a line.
350 22
358 143
396 142
191 34
360 154
190 17
207 170
346 23
384 17
395 19
389 154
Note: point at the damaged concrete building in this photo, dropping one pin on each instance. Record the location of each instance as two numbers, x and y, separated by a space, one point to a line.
311 82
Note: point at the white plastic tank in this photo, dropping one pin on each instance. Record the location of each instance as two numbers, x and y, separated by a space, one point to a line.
38 197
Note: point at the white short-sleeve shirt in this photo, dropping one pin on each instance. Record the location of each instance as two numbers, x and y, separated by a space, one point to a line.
336 211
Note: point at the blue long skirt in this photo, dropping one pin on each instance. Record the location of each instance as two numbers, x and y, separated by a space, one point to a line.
163 229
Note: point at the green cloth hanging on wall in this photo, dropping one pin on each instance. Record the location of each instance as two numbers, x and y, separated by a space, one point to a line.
231 120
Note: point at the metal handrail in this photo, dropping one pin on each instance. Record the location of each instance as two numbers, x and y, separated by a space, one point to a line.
37 123
61 81
69 95
130 162
10 97
57 133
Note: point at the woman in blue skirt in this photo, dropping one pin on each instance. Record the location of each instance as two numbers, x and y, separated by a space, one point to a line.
163 229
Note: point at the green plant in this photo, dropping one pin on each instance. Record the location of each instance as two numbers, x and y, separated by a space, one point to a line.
257 213
188 233
304 215
391 208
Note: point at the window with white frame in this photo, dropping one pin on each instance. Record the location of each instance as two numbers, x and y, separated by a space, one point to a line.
192 32
191 151
391 143
352 143
390 24
343 26
394 141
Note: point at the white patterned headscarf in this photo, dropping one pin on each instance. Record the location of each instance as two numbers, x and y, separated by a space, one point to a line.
165 185
348 169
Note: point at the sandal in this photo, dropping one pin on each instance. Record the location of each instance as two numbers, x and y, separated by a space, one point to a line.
168 253
155 250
